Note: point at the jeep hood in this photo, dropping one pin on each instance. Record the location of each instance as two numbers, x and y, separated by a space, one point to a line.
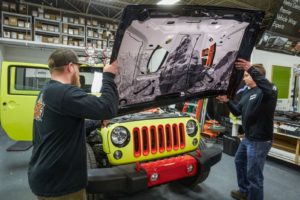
168 54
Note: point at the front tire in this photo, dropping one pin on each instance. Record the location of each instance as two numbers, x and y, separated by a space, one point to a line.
91 164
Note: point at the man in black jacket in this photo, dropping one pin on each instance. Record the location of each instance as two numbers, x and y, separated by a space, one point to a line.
58 167
257 107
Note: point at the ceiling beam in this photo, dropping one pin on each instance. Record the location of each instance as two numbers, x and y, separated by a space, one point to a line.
103 4
87 9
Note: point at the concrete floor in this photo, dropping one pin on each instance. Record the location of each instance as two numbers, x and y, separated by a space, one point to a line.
281 180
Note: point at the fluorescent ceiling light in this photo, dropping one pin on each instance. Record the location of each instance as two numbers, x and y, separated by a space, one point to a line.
167 2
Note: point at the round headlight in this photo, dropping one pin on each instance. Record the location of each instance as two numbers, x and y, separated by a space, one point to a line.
191 128
120 136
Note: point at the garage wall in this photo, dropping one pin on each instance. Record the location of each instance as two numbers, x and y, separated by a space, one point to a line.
1 53
268 59
26 54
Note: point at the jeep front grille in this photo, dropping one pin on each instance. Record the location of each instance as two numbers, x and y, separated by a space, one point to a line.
159 138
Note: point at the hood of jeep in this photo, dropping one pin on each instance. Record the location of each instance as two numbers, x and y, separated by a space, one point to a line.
146 116
171 54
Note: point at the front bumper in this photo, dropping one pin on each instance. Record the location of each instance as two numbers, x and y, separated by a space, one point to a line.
129 179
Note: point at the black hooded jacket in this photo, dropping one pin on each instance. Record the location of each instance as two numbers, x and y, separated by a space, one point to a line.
257 106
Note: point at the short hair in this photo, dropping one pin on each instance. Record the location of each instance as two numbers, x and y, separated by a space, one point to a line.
60 58
260 68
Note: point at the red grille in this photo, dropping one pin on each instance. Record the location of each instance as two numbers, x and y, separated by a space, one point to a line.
158 139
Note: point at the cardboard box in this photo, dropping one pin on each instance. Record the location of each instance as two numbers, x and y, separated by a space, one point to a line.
22 9
5 6
88 22
45 39
90 33
99 43
50 39
47 16
65 19
65 28
21 36
76 43
104 43
81 20
27 24
94 23
81 43
53 17
56 40
41 15
27 37
6 34
12 7
76 21
96 35
65 37
21 23
41 10
34 13
6 21
50 28
76 32
13 35
65 42
44 27
38 38
71 31
71 20
12 21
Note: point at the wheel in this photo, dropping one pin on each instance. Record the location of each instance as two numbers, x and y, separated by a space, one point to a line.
91 164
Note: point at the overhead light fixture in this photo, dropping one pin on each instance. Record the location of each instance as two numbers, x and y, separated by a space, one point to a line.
167 2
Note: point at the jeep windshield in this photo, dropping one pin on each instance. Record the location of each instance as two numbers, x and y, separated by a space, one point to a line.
170 54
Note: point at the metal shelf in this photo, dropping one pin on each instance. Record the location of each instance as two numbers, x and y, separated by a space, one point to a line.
16 15
72 24
48 20
47 32
75 36
94 38
37 44
17 28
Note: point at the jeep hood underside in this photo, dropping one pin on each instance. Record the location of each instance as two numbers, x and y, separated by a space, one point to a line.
171 54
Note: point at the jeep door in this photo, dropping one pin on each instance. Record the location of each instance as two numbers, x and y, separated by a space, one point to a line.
20 85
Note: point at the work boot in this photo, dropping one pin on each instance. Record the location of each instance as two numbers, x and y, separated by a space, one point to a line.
236 194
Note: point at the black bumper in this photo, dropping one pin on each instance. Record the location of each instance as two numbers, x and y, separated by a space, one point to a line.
125 178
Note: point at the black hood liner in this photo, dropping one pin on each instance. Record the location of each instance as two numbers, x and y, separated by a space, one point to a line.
146 12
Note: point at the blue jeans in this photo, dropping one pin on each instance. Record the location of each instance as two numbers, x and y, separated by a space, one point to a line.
249 162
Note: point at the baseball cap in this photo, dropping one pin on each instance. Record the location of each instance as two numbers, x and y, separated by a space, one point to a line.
62 57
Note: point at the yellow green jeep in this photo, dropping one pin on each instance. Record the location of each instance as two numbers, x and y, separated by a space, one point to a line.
142 150
166 55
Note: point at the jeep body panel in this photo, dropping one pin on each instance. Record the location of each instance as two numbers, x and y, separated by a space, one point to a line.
150 144
132 177
17 101
20 85
172 54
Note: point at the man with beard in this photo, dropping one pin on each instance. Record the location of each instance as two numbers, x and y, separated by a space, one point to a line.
58 168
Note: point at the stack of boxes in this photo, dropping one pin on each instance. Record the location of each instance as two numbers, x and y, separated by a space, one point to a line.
71 30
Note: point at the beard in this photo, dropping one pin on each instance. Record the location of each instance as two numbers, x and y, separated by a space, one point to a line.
76 80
